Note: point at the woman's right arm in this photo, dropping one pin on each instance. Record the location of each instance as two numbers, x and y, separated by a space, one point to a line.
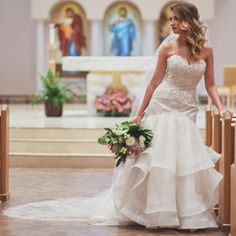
155 81
210 81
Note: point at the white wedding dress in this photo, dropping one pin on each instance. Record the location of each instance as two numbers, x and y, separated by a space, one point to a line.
173 183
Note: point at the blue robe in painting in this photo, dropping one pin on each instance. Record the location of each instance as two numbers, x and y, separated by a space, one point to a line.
122 43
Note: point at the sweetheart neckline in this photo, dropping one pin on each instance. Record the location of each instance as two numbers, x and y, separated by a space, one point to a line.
185 60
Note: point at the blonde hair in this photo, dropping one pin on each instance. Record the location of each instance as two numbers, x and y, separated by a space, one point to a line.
195 30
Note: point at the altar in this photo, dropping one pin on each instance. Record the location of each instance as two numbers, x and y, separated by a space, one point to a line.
125 73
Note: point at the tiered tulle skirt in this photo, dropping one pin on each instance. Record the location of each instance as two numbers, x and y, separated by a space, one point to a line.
173 183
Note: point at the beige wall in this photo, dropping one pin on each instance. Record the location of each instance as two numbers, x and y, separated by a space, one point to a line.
222 33
17 48
150 9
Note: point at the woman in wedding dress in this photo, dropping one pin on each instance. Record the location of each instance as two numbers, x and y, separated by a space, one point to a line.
173 183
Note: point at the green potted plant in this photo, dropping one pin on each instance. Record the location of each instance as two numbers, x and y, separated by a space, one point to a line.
53 95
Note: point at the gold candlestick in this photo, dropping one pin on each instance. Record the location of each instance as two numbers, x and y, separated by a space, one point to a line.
116 83
52 58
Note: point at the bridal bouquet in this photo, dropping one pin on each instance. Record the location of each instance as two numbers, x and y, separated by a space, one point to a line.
126 140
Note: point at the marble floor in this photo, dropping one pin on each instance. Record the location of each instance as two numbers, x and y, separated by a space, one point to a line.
30 185
74 116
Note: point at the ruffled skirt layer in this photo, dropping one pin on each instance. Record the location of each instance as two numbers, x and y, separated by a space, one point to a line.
173 183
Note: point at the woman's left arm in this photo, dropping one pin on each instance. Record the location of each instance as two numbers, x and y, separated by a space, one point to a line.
210 80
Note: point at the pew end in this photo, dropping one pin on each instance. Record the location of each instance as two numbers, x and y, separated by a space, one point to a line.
4 154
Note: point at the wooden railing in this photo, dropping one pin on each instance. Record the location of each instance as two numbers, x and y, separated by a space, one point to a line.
223 141
4 154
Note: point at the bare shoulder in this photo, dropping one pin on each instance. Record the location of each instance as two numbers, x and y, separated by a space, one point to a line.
166 48
207 50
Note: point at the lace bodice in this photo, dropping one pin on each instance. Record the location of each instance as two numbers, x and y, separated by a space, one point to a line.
177 91
182 74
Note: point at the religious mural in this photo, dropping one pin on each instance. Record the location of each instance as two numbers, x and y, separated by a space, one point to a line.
122 30
70 34
70 29
164 28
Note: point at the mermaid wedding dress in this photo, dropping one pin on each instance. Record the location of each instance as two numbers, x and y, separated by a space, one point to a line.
173 183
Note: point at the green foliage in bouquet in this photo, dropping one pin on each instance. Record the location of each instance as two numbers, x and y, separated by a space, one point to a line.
126 140
52 91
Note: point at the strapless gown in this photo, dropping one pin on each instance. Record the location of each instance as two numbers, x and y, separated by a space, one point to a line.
173 183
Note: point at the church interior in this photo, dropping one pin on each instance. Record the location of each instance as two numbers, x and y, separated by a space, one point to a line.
79 54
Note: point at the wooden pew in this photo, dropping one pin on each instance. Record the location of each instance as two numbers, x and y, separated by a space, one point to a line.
223 139
208 133
4 154
233 194
216 141
216 134
224 167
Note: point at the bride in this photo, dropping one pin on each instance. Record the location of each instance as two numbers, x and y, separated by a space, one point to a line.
173 183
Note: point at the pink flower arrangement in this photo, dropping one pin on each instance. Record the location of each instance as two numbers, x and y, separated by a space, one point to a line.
114 103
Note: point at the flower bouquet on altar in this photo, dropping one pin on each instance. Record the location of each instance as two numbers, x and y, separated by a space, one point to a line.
126 140
114 103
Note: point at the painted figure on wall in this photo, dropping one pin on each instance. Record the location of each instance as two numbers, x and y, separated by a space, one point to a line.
124 34
164 27
71 34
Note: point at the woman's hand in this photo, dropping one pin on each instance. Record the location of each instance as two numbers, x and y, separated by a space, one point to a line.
221 112
136 119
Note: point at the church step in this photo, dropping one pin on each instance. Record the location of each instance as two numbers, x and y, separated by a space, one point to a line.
61 160
57 146
58 133
61 133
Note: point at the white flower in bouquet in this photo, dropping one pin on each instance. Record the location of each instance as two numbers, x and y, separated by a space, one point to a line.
142 138
123 150
121 139
130 141
119 132
142 145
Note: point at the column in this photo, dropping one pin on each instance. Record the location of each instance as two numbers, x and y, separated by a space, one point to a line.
40 52
149 40
51 48
96 38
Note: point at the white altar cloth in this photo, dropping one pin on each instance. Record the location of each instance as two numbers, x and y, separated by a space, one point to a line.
108 63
